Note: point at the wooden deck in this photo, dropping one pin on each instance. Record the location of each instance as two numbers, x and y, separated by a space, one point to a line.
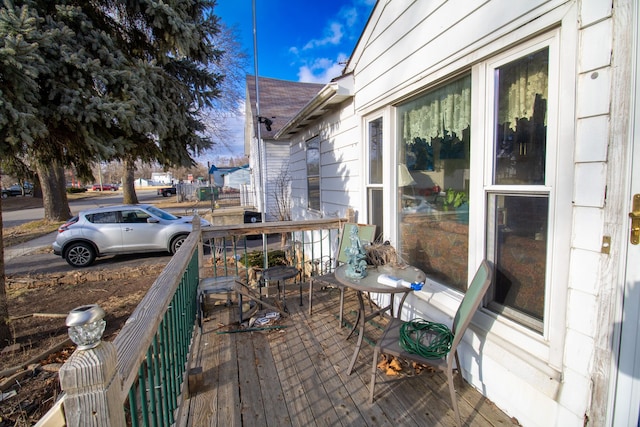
296 376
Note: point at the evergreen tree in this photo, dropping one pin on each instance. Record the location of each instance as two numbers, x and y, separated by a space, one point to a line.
87 81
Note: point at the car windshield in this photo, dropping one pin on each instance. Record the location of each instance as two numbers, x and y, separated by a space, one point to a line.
161 214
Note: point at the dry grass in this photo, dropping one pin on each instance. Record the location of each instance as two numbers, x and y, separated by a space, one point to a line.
12 236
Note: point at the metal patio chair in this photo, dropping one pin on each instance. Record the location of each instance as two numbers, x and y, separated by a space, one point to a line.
432 333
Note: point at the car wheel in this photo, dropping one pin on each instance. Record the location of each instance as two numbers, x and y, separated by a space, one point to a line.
177 243
5 195
80 254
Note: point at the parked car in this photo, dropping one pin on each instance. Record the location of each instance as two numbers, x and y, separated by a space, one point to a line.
122 229
167 191
17 190
105 187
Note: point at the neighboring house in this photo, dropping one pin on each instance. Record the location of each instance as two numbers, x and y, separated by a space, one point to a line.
233 177
237 177
217 174
279 101
161 178
141 182
503 130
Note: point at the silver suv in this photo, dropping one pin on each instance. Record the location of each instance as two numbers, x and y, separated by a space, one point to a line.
122 229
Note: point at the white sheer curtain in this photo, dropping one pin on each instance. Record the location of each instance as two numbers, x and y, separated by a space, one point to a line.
447 108
520 82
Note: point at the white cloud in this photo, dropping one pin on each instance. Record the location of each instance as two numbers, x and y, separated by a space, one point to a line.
333 36
349 15
322 70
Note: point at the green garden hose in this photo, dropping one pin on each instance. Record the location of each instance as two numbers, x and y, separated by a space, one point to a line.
414 335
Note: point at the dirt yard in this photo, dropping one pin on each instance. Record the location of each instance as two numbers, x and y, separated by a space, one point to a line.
38 306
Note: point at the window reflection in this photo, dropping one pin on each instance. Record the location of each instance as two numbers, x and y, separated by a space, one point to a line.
517 244
433 181
521 110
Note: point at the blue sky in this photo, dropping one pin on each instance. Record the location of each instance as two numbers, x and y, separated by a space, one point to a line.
298 40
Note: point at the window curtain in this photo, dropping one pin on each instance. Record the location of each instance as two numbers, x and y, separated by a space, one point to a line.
442 112
522 83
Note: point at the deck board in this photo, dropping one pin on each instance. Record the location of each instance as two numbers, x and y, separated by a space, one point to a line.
296 376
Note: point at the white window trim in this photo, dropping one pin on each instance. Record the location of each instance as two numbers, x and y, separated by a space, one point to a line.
316 138
552 338
367 152
544 351
388 160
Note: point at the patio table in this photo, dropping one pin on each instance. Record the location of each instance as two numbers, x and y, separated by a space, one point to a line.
370 283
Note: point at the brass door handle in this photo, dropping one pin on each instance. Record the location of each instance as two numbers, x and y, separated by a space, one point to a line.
635 220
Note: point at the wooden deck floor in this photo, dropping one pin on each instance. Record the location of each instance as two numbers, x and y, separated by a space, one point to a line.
296 376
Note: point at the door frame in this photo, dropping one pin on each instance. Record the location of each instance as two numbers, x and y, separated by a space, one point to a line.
626 391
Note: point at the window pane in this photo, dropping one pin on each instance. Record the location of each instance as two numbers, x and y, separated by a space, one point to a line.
375 151
518 248
433 181
375 203
314 192
521 120
103 218
313 173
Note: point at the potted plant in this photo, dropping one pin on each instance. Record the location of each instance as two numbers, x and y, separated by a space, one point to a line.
454 199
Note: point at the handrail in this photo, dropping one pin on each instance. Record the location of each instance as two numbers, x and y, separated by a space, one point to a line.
140 328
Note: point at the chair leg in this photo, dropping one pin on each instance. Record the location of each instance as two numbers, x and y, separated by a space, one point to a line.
341 307
459 370
374 366
452 392
310 296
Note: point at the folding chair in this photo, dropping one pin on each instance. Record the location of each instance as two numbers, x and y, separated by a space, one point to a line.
437 358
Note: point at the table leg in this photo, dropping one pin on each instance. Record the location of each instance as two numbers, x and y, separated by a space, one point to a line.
361 333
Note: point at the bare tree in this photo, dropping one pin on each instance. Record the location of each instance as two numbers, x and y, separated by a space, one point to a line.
282 194
282 197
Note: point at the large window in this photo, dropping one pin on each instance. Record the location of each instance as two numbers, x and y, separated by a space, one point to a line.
433 181
313 173
493 196
517 196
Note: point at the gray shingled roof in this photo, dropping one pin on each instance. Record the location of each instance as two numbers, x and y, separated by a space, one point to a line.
280 100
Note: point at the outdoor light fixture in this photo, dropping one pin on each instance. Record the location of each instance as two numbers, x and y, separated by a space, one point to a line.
86 325
267 122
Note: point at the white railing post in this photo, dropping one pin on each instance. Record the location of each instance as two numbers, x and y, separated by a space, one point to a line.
89 377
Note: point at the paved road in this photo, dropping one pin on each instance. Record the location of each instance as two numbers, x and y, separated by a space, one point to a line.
14 218
36 257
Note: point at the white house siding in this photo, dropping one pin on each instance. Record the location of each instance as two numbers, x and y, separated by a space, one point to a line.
255 162
277 160
266 161
340 165
409 46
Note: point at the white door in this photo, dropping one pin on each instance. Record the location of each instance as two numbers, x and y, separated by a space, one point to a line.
627 398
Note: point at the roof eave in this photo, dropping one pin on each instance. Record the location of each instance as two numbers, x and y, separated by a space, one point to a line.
330 95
